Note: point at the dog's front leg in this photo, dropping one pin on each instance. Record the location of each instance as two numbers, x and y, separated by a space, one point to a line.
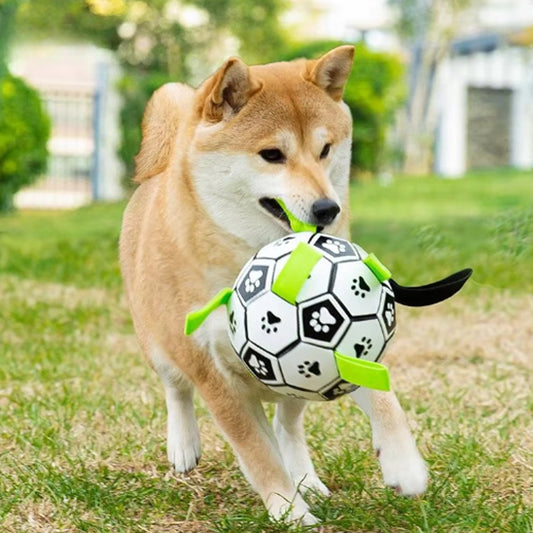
401 463
289 430
246 427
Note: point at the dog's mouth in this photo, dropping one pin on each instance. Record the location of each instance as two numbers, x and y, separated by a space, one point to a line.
272 206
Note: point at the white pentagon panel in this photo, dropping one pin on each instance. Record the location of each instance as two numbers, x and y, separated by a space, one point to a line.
322 321
236 322
255 279
271 323
387 312
363 340
357 288
283 246
338 389
262 365
316 284
308 367
294 392
335 248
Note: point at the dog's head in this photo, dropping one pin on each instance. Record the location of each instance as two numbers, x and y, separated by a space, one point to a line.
276 131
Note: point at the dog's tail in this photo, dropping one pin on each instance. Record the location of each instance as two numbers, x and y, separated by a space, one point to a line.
162 117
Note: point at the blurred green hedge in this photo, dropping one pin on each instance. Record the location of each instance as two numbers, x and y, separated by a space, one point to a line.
24 132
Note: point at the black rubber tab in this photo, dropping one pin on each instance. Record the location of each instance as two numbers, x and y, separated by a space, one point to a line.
433 293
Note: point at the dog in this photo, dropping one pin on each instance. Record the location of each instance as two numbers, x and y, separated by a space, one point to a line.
211 165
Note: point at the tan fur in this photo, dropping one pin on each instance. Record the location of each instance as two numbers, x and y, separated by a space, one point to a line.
175 255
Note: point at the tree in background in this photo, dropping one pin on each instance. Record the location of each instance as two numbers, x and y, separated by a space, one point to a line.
159 41
24 124
374 92
428 27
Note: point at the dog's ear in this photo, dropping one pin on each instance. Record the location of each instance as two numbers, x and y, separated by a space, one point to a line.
227 91
331 71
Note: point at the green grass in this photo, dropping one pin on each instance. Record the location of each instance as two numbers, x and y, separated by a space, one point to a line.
82 421
426 227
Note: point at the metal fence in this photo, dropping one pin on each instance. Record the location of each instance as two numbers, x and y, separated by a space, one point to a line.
72 148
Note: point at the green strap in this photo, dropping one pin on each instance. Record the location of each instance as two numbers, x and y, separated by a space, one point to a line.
196 318
296 225
295 272
362 372
378 268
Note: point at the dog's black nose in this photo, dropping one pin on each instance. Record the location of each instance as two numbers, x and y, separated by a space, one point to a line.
325 211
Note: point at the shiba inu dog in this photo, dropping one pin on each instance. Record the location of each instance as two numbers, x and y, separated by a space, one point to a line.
212 163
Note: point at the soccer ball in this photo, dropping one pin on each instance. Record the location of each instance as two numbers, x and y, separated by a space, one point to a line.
341 307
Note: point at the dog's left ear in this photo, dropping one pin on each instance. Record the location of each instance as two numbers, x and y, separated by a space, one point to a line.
227 91
331 71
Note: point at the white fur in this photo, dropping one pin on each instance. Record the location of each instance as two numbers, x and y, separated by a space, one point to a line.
229 186
339 168
401 463
183 437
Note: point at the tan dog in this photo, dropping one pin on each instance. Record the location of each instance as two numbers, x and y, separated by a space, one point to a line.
211 162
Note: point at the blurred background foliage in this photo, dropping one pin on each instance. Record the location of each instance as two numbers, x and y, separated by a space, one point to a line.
24 124
166 40
374 92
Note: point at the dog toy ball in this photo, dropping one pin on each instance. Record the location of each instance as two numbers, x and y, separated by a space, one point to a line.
311 315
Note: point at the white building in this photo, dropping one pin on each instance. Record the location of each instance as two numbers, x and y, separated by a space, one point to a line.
485 100
484 92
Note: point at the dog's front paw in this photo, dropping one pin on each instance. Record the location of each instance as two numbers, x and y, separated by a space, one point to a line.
183 450
402 466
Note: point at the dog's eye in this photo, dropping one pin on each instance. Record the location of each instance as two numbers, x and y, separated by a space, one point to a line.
325 151
272 155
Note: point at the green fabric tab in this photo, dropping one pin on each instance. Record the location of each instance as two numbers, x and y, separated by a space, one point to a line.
378 268
196 318
295 272
296 225
364 373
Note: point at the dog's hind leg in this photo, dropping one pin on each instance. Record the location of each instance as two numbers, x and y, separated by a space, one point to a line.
183 438
289 430
401 463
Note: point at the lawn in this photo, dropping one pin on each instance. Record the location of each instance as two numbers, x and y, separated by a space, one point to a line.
82 420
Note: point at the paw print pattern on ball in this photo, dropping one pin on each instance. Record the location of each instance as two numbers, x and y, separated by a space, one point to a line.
261 365
387 314
339 389
232 322
321 320
363 347
269 322
360 287
308 369
254 281
337 249
258 365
